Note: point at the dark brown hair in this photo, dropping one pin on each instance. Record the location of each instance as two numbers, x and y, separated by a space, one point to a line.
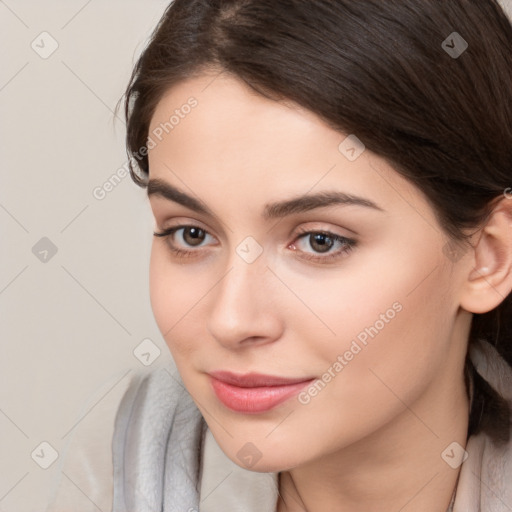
382 70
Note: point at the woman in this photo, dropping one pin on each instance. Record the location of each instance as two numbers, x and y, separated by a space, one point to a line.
332 261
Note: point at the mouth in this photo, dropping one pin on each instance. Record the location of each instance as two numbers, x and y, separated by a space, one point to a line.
254 393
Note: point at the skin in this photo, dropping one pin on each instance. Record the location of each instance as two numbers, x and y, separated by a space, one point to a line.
372 439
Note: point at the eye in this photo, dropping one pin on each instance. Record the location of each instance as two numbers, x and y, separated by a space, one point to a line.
322 242
191 236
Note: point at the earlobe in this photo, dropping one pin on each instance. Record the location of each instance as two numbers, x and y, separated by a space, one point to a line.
489 279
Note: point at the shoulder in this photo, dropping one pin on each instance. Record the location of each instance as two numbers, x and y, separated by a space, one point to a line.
492 367
156 444
486 474
84 475
151 403
119 439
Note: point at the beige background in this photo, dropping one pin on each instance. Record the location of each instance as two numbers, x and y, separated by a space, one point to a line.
72 320
68 325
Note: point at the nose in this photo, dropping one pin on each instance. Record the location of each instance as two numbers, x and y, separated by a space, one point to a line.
243 306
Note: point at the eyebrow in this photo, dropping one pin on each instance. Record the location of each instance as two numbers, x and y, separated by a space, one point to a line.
304 203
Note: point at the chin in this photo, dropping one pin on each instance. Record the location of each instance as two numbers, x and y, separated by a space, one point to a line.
269 458
275 465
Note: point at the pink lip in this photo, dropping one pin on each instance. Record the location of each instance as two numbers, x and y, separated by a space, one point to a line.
253 392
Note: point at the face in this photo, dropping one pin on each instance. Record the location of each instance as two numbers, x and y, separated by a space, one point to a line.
354 297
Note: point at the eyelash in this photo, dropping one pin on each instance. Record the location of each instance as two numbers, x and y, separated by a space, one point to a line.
348 243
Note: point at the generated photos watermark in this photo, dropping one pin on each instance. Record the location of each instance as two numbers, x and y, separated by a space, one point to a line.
356 346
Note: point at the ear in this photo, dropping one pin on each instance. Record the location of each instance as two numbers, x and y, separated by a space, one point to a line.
489 275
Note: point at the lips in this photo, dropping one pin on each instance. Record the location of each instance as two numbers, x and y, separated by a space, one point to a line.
253 392
253 380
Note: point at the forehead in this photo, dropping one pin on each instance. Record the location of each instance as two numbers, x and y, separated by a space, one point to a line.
224 105
214 131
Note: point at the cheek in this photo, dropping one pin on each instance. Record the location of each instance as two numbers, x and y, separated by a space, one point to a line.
161 295
403 289
176 293
371 292
392 315
167 291
374 365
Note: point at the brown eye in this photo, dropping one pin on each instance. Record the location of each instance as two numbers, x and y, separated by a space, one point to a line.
193 236
320 242
316 246
179 238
